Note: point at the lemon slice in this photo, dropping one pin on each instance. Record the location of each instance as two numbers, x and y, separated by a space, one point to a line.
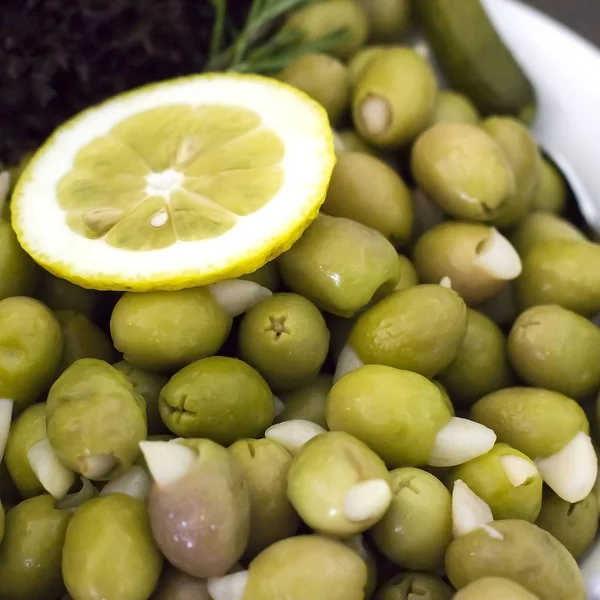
177 184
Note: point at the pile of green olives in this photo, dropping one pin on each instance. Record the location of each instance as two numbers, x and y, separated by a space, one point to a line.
402 405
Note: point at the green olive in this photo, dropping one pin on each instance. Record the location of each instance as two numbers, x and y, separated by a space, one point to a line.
30 350
267 276
394 97
453 107
427 213
95 419
412 586
536 422
519 551
388 19
417 528
573 525
28 429
18 272
30 553
419 329
177 585
201 520
554 348
506 479
408 274
445 396
265 465
475 257
360 60
109 551
307 566
82 339
147 385
285 338
323 265
322 475
2 521
308 402
463 169
324 78
365 189
551 192
562 272
542 226
524 158
164 331
60 294
494 588
220 398
357 543
413 407
481 366
326 17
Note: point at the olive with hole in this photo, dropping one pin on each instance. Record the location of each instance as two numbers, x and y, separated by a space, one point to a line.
407 586
453 107
481 365
573 525
551 192
562 272
417 528
463 169
554 348
365 189
539 227
285 338
524 159
393 98
516 550
326 17
265 465
324 78
477 259
340 265
506 480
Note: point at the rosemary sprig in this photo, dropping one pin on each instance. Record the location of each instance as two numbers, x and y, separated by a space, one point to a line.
259 47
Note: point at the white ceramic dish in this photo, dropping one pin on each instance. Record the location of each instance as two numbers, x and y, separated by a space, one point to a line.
565 70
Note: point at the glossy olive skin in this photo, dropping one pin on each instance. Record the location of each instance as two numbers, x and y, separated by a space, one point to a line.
481 365
323 472
219 398
340 265
308 402
18 272
164 331
324 78
92 409
519 551
463 169
404 86
554 348
494 588
148 385
414 408
201 521
82 339
561 272
31 348
524 158
417 528
265 465
26 430
30 553
573 525
487 478
175 585
285 338
536 422
365 189
109 551
413 584
307 566
419 329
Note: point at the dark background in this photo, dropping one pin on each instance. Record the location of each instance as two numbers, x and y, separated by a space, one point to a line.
581 15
